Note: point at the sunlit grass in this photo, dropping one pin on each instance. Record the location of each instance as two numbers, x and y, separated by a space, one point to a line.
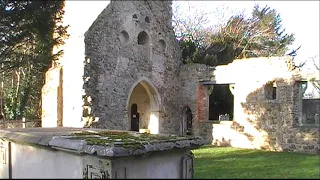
227 162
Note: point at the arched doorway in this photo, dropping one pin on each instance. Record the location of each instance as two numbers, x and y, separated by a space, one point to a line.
143 107
187 121
134 118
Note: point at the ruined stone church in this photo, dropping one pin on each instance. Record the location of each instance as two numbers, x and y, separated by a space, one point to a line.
132 66
132 78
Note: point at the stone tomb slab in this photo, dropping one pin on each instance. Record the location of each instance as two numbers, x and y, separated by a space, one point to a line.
96 154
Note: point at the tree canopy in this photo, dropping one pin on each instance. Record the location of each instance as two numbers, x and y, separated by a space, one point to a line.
29 30
260 35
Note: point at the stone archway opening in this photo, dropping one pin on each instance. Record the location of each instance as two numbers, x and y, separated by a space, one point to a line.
187 121
145 100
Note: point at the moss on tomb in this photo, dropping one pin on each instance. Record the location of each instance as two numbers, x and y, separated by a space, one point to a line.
128 140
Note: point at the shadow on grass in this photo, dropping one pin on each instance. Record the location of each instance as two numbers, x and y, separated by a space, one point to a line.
222 162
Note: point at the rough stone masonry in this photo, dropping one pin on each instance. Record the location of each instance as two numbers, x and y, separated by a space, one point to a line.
132 45
134 79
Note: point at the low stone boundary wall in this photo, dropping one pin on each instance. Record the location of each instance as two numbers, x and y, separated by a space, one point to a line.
20 124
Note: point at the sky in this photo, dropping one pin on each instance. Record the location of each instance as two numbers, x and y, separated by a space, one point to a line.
298 17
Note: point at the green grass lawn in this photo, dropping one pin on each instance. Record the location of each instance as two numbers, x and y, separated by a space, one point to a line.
228 162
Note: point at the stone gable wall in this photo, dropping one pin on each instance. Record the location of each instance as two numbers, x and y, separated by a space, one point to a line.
115 67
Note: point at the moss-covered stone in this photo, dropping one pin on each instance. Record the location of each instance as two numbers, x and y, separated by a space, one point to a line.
128 140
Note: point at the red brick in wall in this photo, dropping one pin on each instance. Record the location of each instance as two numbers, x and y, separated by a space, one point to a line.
201 103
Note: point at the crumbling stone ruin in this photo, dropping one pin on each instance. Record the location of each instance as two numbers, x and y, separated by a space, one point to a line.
268 109
134 79
133 60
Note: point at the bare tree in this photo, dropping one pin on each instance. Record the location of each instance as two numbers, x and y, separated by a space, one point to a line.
316 62
192 20
189 22
315 81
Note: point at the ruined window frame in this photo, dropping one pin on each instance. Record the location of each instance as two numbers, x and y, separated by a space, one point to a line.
303 86
271 91
209 91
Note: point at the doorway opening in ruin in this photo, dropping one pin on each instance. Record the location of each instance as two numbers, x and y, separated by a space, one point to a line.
134 118
143 107
186 121
221 102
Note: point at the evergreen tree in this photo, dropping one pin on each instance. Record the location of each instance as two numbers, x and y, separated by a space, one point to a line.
29 30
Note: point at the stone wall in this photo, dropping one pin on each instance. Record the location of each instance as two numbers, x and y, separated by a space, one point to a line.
20 124
72 62
79 15
128 42
277 121
260 122
52 98
193 94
